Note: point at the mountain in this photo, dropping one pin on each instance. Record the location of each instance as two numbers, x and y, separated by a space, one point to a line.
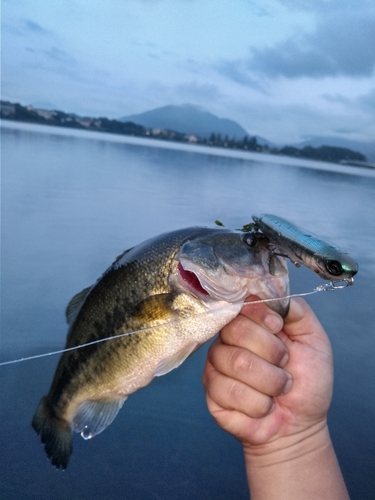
366 148
188 119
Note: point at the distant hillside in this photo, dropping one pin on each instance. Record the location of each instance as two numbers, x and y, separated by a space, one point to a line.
223 138
366 148
188 119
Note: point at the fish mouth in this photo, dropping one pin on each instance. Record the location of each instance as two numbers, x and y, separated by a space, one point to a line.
231 287
191 280
225 285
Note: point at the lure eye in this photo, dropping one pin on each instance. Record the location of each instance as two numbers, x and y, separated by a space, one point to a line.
249 239
334 267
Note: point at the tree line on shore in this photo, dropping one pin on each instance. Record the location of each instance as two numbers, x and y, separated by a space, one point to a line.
17 112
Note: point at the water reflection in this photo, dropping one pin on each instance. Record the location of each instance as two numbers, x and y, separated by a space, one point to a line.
70 205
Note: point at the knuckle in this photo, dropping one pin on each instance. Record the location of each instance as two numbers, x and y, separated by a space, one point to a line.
277 352
262 407
208 373
232 331
266 406
236 393
214 352
240 361
281 383
242 325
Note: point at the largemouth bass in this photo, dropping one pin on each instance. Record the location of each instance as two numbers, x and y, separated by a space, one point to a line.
174 292
304 247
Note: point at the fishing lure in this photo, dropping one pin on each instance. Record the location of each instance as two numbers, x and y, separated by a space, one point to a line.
303 247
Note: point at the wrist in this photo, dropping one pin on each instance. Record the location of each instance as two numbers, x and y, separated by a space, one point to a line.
288 448
302 466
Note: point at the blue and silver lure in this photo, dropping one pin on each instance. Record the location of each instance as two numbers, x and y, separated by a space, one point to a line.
303 247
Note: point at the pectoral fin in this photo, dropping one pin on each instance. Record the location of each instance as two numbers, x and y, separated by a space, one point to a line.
155 309
169 364
92 417
159 309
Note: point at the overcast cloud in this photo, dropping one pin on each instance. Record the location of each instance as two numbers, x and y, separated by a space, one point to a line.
342 44
283 69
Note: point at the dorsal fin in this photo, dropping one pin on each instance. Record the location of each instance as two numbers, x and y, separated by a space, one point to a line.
92 417
75 304
119 260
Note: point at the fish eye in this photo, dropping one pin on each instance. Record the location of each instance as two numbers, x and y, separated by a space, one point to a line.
334 267
249 239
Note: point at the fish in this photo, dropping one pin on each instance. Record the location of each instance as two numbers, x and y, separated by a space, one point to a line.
303 247
154 306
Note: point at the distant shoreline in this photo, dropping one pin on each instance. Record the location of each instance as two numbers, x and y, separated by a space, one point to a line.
190 148
219 139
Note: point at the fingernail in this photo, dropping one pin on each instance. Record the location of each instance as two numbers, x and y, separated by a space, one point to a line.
284 360
288 385
297 309
273 406
273 323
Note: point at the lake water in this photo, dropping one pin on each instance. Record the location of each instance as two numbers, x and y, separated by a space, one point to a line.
71 202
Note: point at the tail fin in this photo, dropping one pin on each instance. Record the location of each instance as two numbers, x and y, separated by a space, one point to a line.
55 433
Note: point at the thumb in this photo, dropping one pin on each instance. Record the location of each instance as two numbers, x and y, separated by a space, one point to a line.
301 323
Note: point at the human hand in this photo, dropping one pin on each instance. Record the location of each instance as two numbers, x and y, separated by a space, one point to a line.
267 382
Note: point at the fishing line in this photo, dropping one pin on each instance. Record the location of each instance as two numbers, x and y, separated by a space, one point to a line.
321 288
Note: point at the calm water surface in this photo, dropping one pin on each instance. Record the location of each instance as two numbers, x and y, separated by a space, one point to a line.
72 202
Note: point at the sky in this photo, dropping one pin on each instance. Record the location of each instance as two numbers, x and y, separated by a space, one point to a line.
285 70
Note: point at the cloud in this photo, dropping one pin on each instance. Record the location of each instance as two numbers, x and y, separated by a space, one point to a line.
198 92
25 28
53 58
324 6
236 70
307 4
342 44
363 102
153 56
35 27
258 9
57 54
288 123
336 98
367 102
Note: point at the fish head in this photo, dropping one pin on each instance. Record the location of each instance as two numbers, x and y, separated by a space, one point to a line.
230 266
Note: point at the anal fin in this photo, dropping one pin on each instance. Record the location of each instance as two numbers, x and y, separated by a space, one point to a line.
92 417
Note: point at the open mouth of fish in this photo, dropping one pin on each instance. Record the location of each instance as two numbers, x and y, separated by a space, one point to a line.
230 286
225 284
191 280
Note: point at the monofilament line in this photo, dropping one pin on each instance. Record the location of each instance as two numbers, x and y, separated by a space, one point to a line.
320 288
